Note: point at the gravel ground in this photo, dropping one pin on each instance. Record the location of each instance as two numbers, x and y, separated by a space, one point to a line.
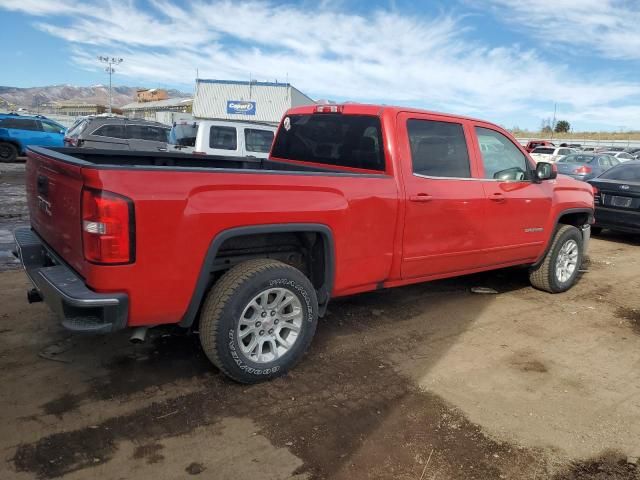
424 382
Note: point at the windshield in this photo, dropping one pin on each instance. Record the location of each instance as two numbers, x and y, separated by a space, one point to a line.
184 134
334 139
577 159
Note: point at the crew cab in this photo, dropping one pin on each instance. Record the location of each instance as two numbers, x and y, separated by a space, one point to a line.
352 198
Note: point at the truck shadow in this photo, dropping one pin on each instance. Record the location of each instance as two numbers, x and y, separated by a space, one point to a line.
345 410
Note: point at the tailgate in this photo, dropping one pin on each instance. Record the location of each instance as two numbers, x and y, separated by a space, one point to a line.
54 190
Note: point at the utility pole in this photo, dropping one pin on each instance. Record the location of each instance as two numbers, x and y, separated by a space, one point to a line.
110 62
553 122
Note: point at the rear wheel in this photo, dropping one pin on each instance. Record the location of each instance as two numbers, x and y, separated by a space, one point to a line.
8 152
559 269
258 320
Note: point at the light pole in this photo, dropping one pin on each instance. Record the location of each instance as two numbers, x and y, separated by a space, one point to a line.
110 61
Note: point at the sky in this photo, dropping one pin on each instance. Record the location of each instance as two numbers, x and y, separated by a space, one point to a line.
504 61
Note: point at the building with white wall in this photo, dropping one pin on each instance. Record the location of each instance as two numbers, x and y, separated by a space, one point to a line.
253 101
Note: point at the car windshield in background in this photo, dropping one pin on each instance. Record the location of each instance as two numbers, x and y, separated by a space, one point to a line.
544 150
577 159
625 172
184 134
334 139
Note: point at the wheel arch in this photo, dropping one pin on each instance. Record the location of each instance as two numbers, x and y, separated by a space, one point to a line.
571 216
203 282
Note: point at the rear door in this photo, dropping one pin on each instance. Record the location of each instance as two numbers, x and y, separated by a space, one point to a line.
444 221
110 135
147 137
24 130
516 208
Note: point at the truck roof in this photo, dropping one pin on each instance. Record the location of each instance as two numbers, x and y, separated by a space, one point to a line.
373 109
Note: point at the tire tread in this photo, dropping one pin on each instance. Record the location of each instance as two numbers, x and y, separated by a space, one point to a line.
540 277
216 302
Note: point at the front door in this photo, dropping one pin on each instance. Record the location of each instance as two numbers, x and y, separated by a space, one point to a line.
443 228
517 208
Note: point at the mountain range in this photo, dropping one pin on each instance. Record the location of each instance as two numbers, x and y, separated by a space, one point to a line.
34 96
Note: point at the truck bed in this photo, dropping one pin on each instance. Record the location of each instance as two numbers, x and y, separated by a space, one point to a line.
110 159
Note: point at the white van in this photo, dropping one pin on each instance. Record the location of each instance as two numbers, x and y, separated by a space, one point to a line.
234 139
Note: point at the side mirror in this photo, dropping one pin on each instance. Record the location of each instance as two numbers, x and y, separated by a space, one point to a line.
546 171
63 131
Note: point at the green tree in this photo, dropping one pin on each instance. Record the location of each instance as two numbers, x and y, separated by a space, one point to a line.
563 126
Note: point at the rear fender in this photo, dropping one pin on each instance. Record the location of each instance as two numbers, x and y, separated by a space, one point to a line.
204 277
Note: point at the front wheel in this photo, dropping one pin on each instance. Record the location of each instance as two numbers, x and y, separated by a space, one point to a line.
559 268
258 320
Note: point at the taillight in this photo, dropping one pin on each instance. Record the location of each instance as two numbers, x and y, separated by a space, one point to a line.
107 227
329 109
583 169
71 141
596 194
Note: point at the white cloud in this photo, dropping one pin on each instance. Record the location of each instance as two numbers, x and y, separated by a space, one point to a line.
331 53
606 27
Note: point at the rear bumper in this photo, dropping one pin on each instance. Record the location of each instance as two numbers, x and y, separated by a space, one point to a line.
80 309
625 221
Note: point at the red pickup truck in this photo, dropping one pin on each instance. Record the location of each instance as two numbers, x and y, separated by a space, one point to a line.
353 198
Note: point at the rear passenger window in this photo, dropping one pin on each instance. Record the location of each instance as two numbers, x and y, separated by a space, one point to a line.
111 131
147 132
21 124
503 160
438 149
223 138
258 140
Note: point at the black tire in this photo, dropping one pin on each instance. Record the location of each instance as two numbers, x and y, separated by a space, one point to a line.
544 276
228 301
8 152
596 230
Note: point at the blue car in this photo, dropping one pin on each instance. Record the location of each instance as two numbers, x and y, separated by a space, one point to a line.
17 132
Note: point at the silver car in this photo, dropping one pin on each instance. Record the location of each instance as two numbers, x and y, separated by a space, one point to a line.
585 166
118 133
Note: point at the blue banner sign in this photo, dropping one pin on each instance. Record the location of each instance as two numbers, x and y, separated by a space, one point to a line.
241 107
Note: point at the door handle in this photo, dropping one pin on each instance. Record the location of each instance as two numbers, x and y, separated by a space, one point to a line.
421 197
498 197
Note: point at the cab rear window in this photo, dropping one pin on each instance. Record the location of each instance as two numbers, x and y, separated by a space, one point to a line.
353 141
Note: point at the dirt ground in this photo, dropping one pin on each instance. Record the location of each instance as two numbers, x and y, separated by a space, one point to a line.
424 382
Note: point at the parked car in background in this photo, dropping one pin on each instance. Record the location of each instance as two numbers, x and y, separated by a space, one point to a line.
575 146
584 166
533 144
621 156
550 154
117 133
588 149
234 139
617 198
17 132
